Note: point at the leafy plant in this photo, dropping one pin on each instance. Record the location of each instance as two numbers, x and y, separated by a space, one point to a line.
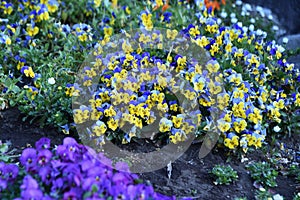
224 174
67 172
294 170
262 194
263 173
297 196
6 154
9 91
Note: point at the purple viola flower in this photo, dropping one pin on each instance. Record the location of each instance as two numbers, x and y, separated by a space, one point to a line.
144 192
69 150
43 143
72 174
104 160
119 192
11 172
73 193
3 181
30 189
122 166
32 194
44 156
3 185
28 159
57 185
2 168
46 174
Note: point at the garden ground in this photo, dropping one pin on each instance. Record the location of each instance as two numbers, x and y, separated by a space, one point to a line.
190 175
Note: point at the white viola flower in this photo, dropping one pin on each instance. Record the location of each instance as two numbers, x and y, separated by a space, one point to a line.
275 28
238 2
51 81
276 129
259 9
285 40
234 20
248 7
281 49
259 32
251 27
277 197
223 14
252 20
270 17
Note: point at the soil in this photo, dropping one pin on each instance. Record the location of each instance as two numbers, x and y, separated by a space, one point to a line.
24 134
190 175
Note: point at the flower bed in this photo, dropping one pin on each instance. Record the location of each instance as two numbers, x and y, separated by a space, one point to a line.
59 54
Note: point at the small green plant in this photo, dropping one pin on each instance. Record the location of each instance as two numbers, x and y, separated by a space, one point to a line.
297 196
263 173
8 91
241 198
294 171
224 174
6 154
262 194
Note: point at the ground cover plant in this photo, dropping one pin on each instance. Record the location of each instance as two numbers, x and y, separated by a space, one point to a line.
70 171
224 174
53 51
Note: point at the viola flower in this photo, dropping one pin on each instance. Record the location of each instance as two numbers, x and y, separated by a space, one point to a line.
239 125
99 128
27 71
52 6
42 13
166 17
69 150
146 20
46 175
32 91
44 156
231 141
83 32
73 193
5 39
43 143
165 125
29 159
177 135
12 28
72 90
223 126
297 99
12 172
32 30
30 189
7 7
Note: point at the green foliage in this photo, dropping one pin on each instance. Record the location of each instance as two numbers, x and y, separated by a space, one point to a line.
224 174
263 173
10 91
262 194
6 154
297 196
294 171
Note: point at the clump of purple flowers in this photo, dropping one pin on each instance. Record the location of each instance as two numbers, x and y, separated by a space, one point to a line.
69 171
